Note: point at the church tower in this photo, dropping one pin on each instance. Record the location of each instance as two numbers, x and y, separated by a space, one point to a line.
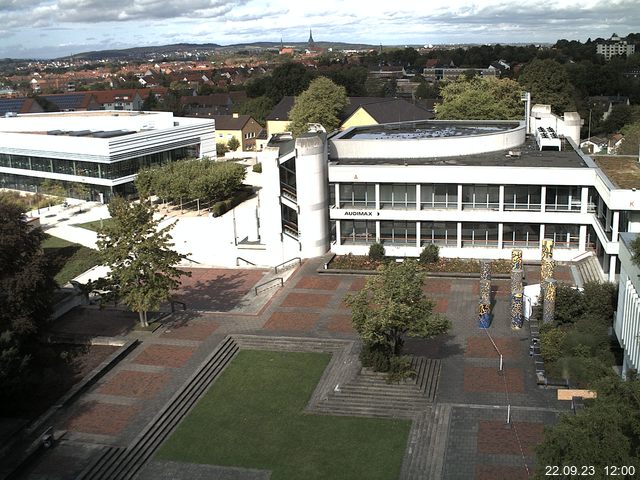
310 41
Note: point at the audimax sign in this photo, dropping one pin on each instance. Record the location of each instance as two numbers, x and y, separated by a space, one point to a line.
361 213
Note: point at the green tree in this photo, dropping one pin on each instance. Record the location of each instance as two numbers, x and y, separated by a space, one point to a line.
26 288
631 143
139 254
481 98
392 305
150 103
549 84
323 103
605 433
233 144
258 108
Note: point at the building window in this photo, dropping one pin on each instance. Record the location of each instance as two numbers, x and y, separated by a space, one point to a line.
522 197
480 197
439 233
520 235
288 179
289 221
564 236
563 199
398 233
357 195
433 196
479 234
357 232
397 195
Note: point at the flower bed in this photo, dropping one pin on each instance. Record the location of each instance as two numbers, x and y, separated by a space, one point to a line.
444 265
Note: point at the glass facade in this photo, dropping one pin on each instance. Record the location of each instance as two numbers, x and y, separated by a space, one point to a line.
354 232
357 195
520 235
522 197
564 236
480 197
289 220
110 171
288 179
398 233
439 196
563 199
439 233
398 195
479 234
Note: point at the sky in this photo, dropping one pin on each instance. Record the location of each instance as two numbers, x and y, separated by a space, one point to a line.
54 28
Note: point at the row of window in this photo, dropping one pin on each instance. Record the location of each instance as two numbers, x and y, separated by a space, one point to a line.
446 234
445 196
109 171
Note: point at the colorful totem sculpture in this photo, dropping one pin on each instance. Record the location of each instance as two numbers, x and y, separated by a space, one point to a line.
484 304
517 289
549 305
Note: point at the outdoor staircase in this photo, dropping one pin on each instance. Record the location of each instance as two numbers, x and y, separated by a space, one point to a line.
117 463
589 270
369 394
424 459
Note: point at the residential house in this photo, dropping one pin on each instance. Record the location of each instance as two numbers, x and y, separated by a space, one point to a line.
243 127
359 111
594 145
129 100
214 104
72 101
615 141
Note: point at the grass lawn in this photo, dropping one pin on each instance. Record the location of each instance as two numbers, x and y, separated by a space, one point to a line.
69 259
252 417
95 225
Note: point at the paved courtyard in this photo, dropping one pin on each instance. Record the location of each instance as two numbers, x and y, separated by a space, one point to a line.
479 443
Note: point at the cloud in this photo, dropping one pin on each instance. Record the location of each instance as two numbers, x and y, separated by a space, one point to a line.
137 22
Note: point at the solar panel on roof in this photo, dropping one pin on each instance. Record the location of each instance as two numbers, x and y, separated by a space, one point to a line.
112 133
10 105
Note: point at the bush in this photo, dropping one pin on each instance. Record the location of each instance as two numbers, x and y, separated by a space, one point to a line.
376 252
221 149
400 369
430 254
552 343
233 144
375 357
257 168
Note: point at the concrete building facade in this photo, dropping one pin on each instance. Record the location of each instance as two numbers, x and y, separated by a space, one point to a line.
102 149
477 189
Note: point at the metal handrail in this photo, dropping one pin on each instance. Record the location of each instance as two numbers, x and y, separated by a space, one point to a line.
298 259
277 279
244 260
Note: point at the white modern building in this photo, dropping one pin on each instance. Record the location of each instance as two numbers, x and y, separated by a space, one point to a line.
627 321
102 149
615 46
476 188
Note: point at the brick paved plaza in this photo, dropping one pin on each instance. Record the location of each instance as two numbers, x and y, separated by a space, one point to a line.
478 443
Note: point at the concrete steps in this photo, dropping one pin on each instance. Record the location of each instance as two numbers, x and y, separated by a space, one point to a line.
424 459
369 394
590 271
121 464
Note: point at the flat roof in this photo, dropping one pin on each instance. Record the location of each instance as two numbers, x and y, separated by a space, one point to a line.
525 155
623 171
427 129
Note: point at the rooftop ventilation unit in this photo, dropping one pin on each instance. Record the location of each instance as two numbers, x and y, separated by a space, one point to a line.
547 139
